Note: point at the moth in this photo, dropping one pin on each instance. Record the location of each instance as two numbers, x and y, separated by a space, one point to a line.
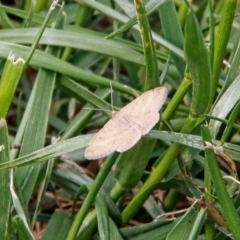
128 125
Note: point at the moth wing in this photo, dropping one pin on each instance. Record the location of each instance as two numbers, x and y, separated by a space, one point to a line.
128 137
144 110
114 136
104 142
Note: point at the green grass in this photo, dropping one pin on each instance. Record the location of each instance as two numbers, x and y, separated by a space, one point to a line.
69 55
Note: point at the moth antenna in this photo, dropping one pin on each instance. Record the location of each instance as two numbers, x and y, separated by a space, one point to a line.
135 93
111 95
97 109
